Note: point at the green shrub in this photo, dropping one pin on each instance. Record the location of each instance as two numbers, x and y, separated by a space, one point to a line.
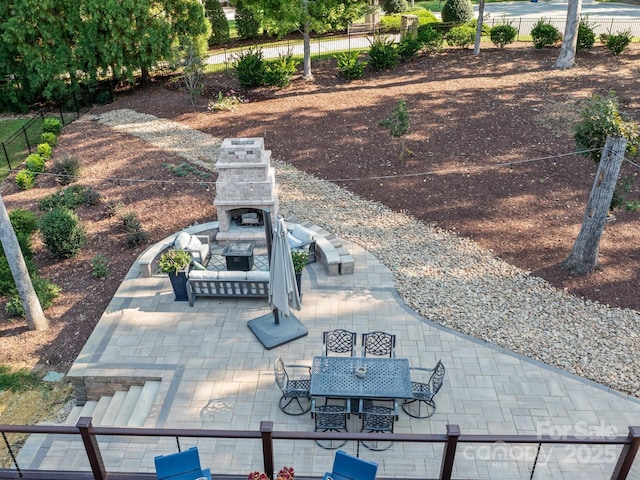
71 197
392 23
25 179
382 53
503 34
461 36
544 34
46 292
457 11
44 150
279 72
135 234
35 163
394 6
52 125
100 265
67 170
23 221
586 34
62 232
7 284
599 118
49 138
349 64
247 21
219 22
250 68
409 47
432 40
619 42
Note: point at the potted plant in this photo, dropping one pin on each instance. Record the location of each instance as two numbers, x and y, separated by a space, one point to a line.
300 259
175 263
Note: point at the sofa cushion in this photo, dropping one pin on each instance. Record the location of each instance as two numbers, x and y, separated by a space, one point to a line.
203 275
232 275
258 276
302 234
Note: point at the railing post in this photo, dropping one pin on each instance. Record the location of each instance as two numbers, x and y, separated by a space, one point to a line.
91 447
627 455
266 429
449 454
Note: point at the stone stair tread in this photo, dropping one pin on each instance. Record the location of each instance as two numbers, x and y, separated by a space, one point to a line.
73 416
144 404
101 410
88 408
128 405
114 407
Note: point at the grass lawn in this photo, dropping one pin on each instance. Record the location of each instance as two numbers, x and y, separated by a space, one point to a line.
9 127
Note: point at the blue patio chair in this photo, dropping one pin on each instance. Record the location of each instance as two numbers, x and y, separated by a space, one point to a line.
181 466
348 467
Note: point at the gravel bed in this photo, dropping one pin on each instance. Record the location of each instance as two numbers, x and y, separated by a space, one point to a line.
453 281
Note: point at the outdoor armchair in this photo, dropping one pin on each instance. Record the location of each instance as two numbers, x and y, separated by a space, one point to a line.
423 405
295 399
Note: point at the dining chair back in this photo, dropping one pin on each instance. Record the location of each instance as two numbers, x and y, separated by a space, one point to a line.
183 465
331 417
378 417
348 467
380 344
295 399
339 341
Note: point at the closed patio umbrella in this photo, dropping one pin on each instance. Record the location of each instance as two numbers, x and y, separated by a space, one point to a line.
274 329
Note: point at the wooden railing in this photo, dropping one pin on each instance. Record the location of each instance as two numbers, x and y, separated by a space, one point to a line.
453 437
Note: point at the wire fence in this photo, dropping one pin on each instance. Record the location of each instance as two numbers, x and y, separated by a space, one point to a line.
25 140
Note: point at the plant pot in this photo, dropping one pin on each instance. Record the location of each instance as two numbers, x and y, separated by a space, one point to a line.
299 283
179 284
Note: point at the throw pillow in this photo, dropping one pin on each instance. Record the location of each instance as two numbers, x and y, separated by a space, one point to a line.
194 244
182 240
302 234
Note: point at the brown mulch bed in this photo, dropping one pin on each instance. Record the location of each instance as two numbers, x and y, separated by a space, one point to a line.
486 135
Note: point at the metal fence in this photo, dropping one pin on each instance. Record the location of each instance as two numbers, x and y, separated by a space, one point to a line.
25 140
222 59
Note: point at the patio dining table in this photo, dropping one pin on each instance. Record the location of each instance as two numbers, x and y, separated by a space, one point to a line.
336 377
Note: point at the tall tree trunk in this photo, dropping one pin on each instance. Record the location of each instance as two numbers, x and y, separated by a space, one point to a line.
584 256
32 309
476 48
306 34
567 53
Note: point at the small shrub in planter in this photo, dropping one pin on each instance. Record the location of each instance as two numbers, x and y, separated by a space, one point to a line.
544 34
349 64
503 34
432 40
457 11
25 179
46 292
99 266
382 53
586 34
62 232
249 68
619 42
460 37
23 221
174 260
35 163
49 138
44 150
409 47
52 125
278 72
67 170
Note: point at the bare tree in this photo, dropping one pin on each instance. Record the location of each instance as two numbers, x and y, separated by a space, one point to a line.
567 54
32 309
476 48
584 256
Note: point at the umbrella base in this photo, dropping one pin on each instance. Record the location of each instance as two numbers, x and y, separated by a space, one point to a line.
272 335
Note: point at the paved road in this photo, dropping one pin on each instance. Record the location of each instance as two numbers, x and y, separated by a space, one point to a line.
558 8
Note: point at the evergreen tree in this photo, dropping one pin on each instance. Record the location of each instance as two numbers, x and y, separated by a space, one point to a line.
457 11
247 21
219 23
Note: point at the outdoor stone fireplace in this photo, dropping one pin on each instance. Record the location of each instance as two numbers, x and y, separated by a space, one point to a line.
245 188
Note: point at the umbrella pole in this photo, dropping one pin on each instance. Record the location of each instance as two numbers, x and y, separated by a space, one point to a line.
276 315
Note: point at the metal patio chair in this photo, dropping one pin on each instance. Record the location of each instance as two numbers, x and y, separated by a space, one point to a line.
331 418
295 398
380 344
378 416
424 393
339 341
